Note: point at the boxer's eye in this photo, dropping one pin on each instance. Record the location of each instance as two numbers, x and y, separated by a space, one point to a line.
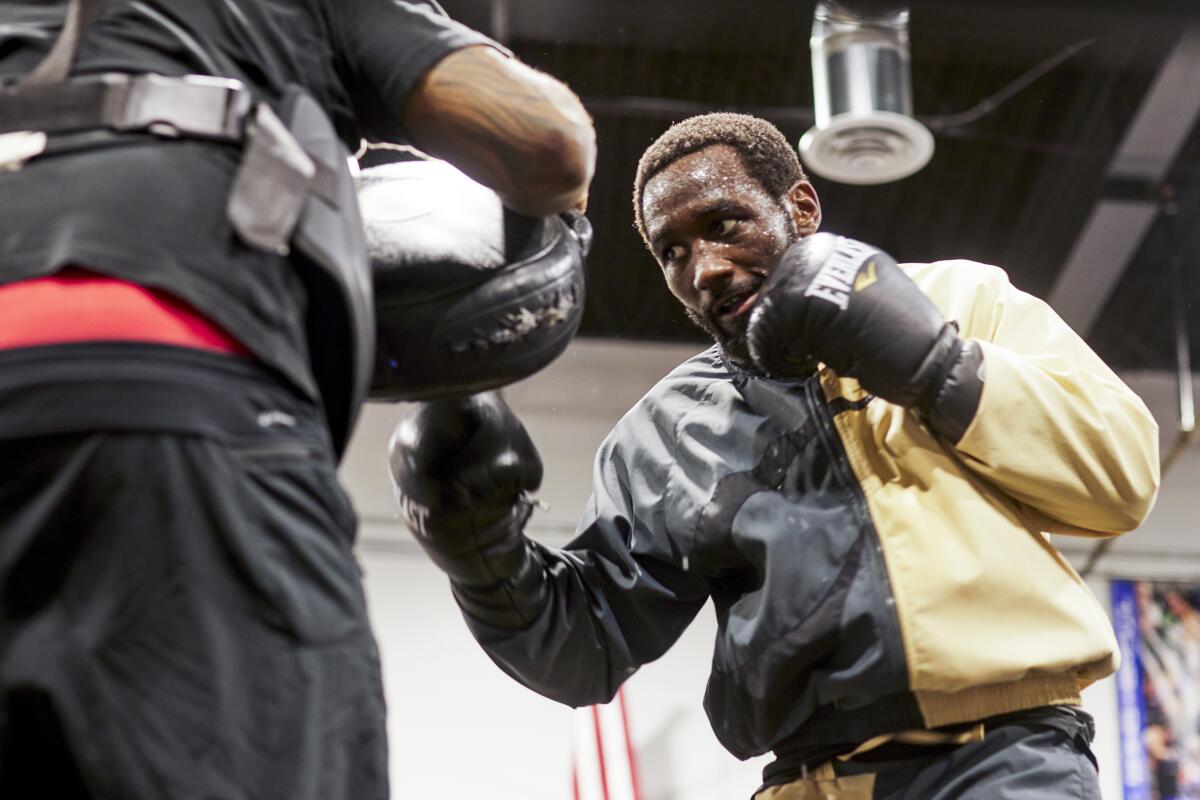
724 227
673 253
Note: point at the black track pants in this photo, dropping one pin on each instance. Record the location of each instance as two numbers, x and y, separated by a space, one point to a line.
181 615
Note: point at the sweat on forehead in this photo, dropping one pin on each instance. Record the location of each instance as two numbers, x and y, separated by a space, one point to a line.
764 151
698 182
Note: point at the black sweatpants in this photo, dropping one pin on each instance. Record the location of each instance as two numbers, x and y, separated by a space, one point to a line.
181 615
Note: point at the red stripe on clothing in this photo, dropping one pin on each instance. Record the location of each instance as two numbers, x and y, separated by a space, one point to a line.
600 751
633 777
80 306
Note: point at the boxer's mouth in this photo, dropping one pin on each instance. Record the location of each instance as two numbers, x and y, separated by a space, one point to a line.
736 303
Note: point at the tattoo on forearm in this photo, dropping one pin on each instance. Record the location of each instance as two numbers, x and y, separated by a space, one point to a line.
496 123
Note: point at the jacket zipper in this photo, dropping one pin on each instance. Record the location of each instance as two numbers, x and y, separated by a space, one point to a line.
827 430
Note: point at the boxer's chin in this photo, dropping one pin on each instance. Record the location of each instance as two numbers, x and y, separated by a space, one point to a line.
733 342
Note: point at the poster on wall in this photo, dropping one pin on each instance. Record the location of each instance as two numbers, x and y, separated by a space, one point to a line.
1158 688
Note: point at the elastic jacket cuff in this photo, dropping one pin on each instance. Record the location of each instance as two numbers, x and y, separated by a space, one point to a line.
952 407
501 580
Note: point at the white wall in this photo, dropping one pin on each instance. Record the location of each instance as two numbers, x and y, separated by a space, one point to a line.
1100 700
460 728
457 726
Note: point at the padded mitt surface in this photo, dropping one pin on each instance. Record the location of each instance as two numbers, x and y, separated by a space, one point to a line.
469 295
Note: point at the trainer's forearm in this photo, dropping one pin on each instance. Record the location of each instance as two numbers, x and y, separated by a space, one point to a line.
516 130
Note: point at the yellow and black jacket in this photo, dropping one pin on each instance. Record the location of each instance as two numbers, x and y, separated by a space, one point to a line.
867 577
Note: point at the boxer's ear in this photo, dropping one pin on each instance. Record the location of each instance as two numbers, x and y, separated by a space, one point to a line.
804 206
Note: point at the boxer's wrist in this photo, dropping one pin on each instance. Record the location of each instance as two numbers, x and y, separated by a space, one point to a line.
951 405
517 600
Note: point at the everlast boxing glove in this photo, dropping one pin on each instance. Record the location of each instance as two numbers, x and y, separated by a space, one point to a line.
846 304
461 469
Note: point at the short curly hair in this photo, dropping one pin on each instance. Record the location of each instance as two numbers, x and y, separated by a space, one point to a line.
764 151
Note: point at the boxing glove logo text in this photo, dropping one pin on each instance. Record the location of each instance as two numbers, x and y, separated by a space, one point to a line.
836 279
416 514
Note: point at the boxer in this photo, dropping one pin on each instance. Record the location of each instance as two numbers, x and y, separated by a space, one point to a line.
859 474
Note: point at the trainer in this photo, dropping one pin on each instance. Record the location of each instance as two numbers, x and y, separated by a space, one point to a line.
186 337
860 475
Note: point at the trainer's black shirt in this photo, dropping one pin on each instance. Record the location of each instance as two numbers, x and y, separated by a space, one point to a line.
154 213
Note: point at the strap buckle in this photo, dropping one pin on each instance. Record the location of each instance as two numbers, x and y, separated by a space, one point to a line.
192 105
195 106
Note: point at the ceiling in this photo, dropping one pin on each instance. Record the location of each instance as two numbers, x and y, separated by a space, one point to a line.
1050 184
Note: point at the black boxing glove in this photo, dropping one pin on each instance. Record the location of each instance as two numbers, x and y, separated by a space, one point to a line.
834 300
461 469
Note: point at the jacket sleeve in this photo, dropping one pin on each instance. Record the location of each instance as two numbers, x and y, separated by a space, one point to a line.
1056 429
619 595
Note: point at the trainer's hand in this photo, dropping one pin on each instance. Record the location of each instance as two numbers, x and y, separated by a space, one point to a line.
461 469
847 304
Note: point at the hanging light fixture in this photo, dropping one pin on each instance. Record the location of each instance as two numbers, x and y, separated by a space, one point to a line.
862 94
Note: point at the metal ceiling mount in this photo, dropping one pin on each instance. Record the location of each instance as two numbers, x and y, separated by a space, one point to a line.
865 132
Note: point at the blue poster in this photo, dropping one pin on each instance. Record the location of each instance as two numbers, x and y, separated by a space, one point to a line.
1158 688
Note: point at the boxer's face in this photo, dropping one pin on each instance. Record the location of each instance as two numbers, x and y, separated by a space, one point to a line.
717 234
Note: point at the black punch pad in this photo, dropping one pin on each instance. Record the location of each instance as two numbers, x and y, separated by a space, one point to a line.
469 295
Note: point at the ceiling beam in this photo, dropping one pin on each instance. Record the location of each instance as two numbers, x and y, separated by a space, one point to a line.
1121 218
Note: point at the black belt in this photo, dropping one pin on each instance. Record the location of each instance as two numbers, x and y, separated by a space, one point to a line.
1072 721
142 387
